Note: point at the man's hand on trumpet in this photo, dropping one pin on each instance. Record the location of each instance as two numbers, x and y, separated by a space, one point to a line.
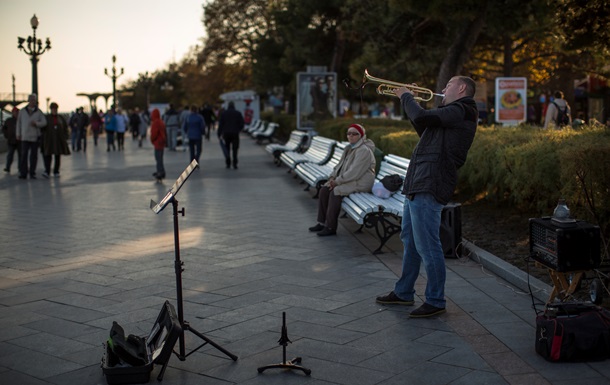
404 90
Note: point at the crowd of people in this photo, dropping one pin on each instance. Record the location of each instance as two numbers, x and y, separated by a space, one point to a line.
29 130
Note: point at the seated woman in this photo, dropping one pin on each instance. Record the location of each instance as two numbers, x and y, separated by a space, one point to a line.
355 172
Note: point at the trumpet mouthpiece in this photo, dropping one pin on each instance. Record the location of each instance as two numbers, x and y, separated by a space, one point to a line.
440 95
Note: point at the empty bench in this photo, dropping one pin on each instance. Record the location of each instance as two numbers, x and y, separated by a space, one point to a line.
315 175
257 125
296 142
319 151
383 215
266 133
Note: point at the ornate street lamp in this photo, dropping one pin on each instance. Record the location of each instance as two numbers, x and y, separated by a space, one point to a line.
114 77
146 82
34 49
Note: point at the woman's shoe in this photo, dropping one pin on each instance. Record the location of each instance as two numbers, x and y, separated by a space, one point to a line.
317 228
326 232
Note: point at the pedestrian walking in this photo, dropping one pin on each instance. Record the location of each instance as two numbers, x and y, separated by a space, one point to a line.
143 127
78 123
172 123
29 122
110 126
9 130
96 126
54 141
121 127
194 126
231 123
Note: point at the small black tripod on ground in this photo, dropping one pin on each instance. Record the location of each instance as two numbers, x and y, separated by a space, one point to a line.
292 364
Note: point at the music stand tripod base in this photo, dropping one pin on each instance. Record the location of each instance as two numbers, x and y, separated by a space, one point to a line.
292 364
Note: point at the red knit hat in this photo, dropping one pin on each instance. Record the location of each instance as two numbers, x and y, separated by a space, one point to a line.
358 128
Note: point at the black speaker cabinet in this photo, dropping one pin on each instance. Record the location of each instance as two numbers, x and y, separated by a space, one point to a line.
569 247
451 230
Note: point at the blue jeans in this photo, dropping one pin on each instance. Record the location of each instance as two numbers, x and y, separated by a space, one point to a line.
159 162
76 136
172 137
195 149
420 235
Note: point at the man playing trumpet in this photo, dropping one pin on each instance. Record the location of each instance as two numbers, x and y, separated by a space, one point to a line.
446 134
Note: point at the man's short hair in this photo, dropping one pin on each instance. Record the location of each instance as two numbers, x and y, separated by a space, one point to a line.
558 95
471 86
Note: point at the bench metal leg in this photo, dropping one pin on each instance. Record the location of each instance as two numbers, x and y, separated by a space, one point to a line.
384 228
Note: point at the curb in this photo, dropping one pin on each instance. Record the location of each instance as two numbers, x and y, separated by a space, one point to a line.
540 290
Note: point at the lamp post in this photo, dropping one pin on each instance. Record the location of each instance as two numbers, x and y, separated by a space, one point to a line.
114 77
34 49
167 86
14 95
147 82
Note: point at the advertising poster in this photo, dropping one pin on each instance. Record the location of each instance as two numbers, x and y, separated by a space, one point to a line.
511 100
316 98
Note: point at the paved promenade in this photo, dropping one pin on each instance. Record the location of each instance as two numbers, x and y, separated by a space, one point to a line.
83 250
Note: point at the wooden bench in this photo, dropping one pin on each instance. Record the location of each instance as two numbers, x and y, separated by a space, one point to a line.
383 215
296 142
319 151
266 134
315 175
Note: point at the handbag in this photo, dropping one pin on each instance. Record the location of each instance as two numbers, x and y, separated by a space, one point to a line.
572 332
392 182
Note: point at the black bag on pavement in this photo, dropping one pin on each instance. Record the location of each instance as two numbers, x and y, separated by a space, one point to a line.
573 332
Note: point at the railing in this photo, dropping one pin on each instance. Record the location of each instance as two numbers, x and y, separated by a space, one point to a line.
8 97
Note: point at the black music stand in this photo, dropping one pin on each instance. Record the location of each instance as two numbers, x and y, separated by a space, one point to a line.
170 197
292 364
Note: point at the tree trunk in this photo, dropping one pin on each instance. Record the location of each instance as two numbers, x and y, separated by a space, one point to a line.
508 56
338 51
460 50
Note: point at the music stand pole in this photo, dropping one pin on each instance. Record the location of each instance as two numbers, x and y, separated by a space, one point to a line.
178 265
178 269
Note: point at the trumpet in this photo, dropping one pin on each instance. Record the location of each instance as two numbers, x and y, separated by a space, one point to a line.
388 88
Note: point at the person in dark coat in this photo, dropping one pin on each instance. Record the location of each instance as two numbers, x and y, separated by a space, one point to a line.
210 119
54 141
445 136
9 130
194 126
229 126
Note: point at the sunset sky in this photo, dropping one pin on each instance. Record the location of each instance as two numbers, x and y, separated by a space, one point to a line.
145 35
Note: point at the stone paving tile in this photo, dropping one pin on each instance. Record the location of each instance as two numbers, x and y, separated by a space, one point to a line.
429 373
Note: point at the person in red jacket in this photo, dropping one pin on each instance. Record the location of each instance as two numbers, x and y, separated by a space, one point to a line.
158 138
